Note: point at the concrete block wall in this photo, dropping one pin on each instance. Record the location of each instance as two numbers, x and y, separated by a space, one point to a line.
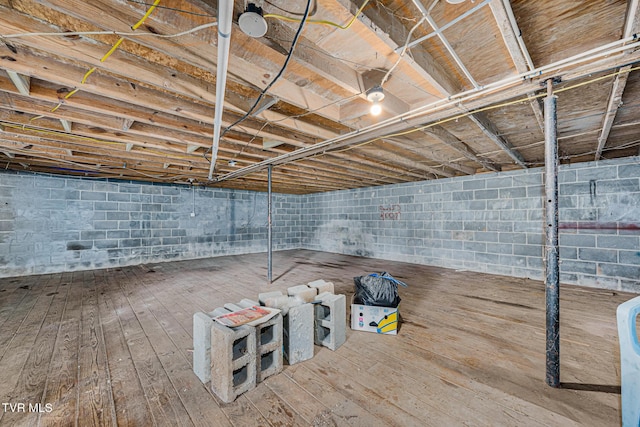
50 223
492 223
487 222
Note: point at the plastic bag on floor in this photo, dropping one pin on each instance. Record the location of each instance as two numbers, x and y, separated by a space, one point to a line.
377 289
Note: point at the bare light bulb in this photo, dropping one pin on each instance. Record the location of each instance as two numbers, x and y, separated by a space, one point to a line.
376 109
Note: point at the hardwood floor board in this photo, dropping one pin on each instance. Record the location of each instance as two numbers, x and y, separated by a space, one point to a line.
369 392
243 413
60 390
11 297
471 350
33 375
131 405
31 289
461 403
509 378
524 342
96 405
162 330
276 411
341 410
306 405
430 371
19 345
164 402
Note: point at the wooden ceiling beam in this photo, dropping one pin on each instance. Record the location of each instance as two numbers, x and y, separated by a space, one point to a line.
446 137
517 50
419 149
396 37
249 60
489 129
631 26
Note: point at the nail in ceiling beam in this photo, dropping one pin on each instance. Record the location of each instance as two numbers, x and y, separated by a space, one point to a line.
444 136
21 82
66 124
514 42
129 146
191 148
631 26
492 133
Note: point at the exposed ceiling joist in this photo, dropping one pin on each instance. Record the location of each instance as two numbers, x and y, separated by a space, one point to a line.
492 133
631 26
518 51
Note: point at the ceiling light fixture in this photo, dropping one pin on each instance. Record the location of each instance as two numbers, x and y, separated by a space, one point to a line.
251 21
375 95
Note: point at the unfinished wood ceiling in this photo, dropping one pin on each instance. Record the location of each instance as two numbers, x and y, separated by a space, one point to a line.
463 86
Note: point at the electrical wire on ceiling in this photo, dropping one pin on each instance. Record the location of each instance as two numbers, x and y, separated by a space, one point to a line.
275 79
108 33
106 56
319 21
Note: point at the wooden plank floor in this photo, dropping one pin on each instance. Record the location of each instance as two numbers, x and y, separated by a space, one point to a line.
114 347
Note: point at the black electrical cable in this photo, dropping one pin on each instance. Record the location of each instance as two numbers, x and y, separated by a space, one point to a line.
284 66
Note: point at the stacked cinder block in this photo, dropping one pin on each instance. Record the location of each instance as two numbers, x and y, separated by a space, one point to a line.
298 333
202 323
321 286
234 360
330 320
302 292
298 326
233 364
269 339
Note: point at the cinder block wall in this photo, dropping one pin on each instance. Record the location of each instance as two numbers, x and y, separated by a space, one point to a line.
488 223
492 223
51 224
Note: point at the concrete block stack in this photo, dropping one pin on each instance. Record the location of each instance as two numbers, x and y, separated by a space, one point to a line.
330 320
235 359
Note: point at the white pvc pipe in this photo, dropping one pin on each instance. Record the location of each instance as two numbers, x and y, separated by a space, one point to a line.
225 14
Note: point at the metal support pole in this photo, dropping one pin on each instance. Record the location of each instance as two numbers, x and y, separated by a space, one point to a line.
552 281
269 235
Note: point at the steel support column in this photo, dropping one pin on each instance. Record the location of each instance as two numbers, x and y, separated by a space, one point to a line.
269 235
551 251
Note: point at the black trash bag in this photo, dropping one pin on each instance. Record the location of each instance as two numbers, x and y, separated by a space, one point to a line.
377 289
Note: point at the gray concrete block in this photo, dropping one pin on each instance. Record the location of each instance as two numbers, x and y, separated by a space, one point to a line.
269 337
233 360
303 292
298 333
599 255
330 320
246 303
202 346
321 286
262 297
